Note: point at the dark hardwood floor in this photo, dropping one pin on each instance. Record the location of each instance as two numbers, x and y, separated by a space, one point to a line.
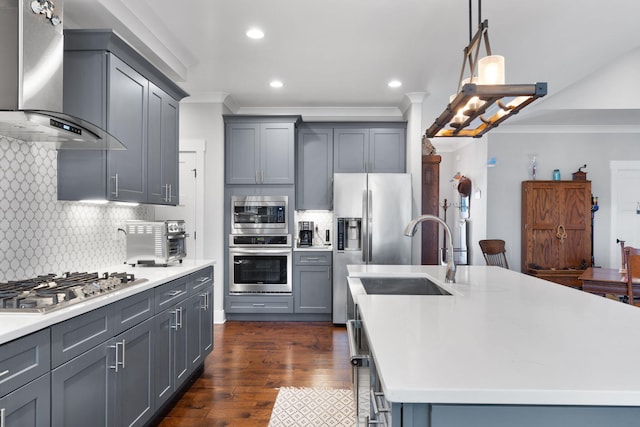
251 360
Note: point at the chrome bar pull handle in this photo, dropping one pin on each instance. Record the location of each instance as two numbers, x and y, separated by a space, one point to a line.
180 314
115 365
2 417
115 185
123 354
3 373
204 301
174 325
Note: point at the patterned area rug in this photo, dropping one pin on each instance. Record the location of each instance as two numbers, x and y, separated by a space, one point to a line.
313 407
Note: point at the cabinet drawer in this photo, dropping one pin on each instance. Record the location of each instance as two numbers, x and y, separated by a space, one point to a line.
171 293
313 258
201 279
133 310
81 333
260 304
23 360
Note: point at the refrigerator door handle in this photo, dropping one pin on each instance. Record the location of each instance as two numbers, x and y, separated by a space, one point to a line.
364 243
369 226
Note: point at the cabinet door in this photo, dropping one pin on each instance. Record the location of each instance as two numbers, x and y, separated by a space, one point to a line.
314 169
28 406
200 327
312 289
387 151
277 163
163 367
181 356
135 380
574 201
127 121
162 149
206 323
171 358
540 219
194 333
82 174
350 150
82 390
242 164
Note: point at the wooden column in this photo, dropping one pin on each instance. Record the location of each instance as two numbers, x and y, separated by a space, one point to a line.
430 205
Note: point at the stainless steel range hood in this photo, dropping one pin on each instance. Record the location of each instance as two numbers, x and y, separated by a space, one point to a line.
32 51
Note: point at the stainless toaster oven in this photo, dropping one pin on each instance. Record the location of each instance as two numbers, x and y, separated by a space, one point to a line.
155 243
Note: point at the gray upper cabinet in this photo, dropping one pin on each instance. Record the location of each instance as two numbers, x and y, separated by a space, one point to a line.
162 148
110 85
351 150
127 115
314 168
260 150
370 150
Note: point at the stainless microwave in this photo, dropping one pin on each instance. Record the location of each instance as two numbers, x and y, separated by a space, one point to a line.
259 214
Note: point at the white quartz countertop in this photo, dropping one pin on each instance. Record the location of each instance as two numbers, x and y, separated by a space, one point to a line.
16 325
502 338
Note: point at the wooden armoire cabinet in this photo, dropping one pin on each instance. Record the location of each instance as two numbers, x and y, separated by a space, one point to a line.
556 230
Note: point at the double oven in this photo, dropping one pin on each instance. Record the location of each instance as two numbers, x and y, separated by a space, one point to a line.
260 248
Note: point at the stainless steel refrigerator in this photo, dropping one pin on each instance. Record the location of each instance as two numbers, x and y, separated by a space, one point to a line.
370 213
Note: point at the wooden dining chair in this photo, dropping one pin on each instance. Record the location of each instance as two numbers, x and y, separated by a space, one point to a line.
494 252
632 264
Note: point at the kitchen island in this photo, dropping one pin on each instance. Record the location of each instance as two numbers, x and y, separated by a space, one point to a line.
504 349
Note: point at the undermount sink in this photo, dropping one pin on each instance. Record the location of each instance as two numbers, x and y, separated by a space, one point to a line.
401 286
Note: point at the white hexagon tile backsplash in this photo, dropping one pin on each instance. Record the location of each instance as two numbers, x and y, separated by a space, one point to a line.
38 233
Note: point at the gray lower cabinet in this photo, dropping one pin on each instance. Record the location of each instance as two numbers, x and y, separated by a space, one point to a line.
172 363
118 374
369 149
28 406
314 168
24 381
312 284
263 304
200 327
260 149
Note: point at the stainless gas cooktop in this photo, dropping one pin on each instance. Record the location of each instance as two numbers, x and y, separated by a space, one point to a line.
43 294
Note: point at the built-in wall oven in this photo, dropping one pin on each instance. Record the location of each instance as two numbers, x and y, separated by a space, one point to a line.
259 214
260 264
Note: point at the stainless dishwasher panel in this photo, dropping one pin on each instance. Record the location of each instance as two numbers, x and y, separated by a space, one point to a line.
360 373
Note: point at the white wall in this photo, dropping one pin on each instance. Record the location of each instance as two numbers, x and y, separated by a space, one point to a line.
204 121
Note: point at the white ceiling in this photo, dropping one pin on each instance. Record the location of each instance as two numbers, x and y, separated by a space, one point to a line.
342 53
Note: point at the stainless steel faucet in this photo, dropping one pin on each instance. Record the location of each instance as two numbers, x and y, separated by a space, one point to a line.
450 276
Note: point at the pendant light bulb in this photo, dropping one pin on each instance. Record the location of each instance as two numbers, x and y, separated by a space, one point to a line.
491 70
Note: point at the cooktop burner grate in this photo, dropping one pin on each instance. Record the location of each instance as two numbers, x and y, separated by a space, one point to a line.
45 293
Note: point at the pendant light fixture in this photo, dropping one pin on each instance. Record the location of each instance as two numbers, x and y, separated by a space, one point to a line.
483 100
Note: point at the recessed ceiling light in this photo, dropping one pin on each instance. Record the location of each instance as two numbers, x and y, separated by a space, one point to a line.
394 83
276 83
255 33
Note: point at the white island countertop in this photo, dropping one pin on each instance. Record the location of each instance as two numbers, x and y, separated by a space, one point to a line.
16 325
502 338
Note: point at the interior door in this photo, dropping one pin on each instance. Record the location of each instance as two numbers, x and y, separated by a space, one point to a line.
625 218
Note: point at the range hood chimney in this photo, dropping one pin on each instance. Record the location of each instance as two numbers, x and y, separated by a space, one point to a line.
32 51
